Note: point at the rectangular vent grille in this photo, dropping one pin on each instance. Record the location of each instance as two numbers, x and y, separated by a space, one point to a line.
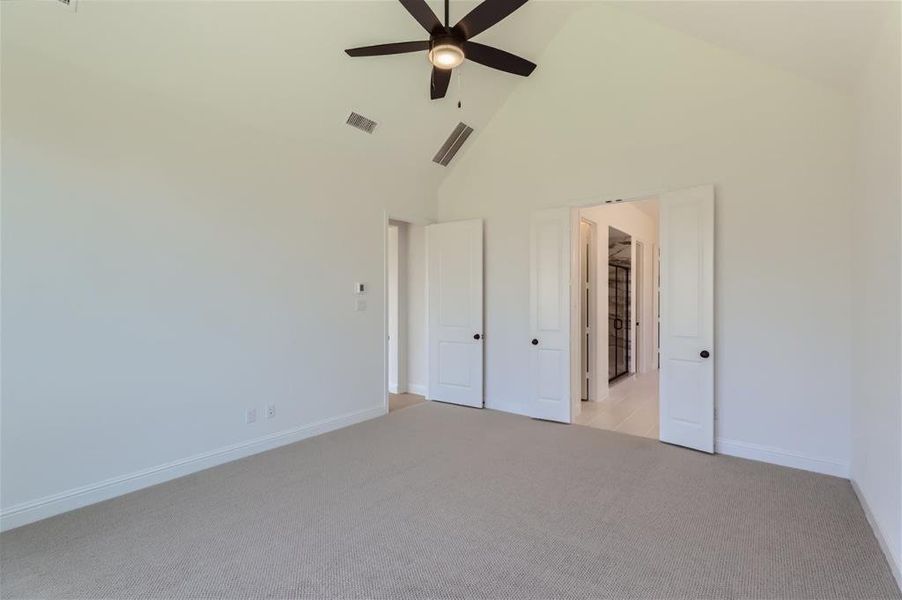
361 122
452 144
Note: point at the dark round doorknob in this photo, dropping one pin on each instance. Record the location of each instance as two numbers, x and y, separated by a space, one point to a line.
476 336
704 354
535 342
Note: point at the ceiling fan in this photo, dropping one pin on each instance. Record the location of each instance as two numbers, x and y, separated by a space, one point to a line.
449 46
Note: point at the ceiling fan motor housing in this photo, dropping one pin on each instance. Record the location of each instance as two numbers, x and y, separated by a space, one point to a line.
440 39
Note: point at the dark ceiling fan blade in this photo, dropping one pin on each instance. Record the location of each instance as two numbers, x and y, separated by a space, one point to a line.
394 48
424 15
485 15
438 86
498 59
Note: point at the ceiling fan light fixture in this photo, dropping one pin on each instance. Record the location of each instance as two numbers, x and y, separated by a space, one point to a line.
446 56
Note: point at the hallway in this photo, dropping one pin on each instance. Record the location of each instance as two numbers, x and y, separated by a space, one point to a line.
631 407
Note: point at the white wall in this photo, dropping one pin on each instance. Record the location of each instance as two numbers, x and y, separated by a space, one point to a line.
641 228
417 342
164 269
876 231
665 111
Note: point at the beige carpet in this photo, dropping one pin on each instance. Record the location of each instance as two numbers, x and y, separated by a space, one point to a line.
399 401
438 501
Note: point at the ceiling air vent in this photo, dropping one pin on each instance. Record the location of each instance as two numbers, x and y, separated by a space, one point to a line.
452 144
361 122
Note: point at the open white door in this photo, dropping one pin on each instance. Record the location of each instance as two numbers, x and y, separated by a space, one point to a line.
549 314
687 318
454 306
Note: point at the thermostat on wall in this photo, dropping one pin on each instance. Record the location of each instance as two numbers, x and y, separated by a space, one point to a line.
359 288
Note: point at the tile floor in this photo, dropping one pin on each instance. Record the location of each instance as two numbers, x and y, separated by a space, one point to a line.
631 407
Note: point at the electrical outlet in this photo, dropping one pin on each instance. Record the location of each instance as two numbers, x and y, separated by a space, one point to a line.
250 416
270 411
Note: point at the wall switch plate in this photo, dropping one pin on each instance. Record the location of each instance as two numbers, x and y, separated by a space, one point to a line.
360 287
270 411
250 416
360 305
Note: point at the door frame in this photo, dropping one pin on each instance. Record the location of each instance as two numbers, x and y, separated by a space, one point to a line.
389 219
586 301
638 305
575 365
397 335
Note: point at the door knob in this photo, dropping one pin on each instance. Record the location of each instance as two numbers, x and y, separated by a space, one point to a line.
704 354
476 336
535 342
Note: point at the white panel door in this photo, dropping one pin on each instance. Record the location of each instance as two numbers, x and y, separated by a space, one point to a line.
454 306
687 318
549 314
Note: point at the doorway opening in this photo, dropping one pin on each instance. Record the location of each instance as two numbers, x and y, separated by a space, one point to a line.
406 314
619 316
674 327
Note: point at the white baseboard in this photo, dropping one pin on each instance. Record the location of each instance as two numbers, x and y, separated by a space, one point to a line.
393 388
48 506
416 388
895 562
781 457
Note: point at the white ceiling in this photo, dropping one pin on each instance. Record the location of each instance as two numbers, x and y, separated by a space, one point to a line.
280 67
826 41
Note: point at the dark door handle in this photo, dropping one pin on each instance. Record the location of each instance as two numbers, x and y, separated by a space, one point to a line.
476 336
704 354
535 342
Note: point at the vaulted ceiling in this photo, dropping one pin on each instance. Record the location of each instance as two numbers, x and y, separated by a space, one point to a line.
823 41
280 67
